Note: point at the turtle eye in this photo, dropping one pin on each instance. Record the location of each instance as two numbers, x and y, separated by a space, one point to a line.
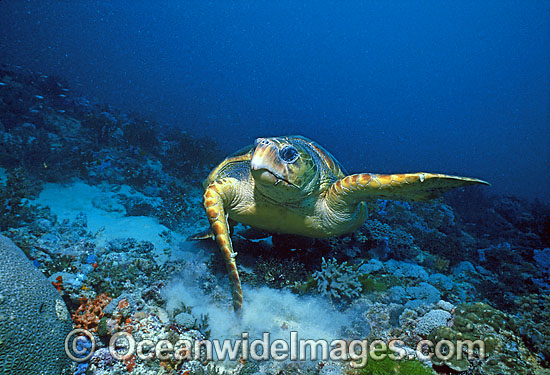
289 154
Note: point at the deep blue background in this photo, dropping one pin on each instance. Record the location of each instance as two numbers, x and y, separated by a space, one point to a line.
387 86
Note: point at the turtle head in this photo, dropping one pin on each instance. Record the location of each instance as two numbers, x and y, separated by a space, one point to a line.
283 169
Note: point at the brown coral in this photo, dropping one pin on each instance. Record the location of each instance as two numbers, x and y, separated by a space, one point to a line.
89 313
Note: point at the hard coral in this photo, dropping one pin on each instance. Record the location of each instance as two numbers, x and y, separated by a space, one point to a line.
534 314
505 352
397 243
58 284
89 313
35 320
338 281
15 211
185 154
278 273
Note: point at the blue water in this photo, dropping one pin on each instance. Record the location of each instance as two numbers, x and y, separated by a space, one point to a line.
387 86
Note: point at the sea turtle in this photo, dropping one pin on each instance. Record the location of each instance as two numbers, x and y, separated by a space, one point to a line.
292 185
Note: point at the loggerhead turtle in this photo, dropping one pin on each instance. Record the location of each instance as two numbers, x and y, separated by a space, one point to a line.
293 185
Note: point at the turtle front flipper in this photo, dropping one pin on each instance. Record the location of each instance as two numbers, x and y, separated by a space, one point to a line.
404 187
217 196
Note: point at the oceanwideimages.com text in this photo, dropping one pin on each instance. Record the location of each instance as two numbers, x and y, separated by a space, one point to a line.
80 346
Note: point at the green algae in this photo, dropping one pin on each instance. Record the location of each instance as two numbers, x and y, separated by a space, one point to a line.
392 366
372 284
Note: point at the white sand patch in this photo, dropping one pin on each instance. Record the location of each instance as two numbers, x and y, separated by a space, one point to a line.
277 312
67 201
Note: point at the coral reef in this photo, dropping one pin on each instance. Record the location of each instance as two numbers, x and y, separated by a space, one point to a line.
89 313
504 350
15 210
387 241
542 262
534 315
278 273
390 366
337 281
34 320
432 320
137 183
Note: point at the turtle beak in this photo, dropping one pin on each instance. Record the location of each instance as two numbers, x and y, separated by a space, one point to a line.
265 155
265 163
264 160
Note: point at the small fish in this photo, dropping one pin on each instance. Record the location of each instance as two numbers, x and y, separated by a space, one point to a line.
43 76
65 90
34 111
62 95
39 97
3 84
61 110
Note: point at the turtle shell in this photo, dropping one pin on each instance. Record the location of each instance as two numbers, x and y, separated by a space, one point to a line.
236 165
328 167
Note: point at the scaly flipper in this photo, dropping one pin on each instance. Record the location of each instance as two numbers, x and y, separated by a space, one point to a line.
406 187
217 196
206 234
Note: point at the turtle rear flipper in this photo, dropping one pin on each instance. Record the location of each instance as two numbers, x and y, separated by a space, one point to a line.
206 234
404 187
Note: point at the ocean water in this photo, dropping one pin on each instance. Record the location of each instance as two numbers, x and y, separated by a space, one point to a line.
112 113
390 86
